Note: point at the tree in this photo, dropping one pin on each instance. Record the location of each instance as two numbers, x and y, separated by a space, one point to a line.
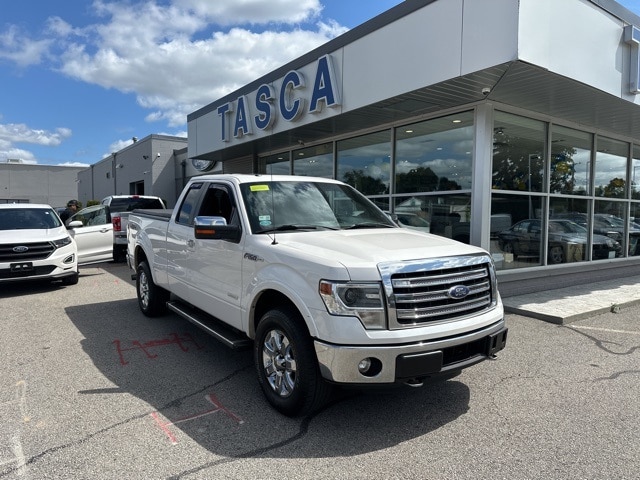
364 183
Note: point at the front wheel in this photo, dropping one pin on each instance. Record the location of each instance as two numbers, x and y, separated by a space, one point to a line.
286 364
152 299
556 255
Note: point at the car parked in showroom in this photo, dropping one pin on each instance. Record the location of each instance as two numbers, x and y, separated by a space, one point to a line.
567 241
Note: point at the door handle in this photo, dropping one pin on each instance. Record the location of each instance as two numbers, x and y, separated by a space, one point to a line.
191 243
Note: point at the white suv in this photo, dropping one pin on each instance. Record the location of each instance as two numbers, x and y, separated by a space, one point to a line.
35 245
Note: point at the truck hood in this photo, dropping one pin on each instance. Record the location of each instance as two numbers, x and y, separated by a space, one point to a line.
355 248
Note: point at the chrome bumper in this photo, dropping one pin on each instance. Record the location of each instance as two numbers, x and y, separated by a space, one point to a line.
339 363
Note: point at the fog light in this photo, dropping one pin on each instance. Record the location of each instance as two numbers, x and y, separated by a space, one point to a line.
369 367
364 365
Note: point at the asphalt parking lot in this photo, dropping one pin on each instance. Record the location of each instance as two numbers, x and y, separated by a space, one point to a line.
92 389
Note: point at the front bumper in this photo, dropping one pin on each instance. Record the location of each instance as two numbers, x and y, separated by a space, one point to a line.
401 363
54 268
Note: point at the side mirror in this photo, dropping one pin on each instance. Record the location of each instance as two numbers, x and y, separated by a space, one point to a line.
216 228
75 224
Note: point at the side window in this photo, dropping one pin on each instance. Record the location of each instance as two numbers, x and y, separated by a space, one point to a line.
187 208
218 202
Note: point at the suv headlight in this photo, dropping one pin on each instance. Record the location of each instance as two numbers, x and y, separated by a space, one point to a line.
61 242
362 300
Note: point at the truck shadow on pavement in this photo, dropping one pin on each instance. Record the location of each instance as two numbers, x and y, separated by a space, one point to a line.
199 390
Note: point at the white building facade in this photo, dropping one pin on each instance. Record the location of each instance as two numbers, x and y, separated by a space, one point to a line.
497 122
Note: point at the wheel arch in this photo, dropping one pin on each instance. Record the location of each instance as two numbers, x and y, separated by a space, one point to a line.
270 299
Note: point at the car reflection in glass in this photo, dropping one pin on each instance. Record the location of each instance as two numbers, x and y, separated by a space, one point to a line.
567 241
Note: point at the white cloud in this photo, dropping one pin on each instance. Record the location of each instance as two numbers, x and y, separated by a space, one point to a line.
176 58
253 11
13 133
8 152
23 51
73 164
21 133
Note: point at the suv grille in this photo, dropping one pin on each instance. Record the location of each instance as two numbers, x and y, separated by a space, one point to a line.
423 292
36 251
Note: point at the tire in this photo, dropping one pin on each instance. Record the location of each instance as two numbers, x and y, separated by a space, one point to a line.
70 280
556 255
152 299
286 364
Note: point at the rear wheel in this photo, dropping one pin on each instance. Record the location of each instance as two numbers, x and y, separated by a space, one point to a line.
286 364
152 299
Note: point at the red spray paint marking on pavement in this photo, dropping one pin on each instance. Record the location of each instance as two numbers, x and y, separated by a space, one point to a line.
174 339
164 426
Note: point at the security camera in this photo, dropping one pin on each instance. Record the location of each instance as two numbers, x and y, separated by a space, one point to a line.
486 91
158 155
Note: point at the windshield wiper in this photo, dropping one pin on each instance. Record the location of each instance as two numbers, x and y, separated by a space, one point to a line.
284 228
369 225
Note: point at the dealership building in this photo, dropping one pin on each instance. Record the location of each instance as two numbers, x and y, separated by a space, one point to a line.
502 123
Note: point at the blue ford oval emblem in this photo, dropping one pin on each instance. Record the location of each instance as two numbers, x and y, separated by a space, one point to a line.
458 292
20 249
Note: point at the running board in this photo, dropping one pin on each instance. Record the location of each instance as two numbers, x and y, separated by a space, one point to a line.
214 327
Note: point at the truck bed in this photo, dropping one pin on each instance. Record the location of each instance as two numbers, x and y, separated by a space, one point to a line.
156 214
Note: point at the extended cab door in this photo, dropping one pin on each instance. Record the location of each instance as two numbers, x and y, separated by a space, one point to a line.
180 242
214 267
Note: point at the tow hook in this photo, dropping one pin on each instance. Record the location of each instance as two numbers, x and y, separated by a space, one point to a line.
414 382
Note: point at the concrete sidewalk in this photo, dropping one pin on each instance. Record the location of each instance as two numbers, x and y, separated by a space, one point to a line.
568 304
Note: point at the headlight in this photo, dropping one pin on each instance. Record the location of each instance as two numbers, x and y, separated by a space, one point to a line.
61 242
363 300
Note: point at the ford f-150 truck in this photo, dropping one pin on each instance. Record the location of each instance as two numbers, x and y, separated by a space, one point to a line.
322 284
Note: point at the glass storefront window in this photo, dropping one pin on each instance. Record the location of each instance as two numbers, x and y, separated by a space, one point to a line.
278 164
518 153
609 223
611 168
634 230
435 155
447 215
365 162
516 230
573 214
570 161
316 161
635 173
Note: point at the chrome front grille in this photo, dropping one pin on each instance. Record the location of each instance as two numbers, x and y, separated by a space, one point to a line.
34 251
425 291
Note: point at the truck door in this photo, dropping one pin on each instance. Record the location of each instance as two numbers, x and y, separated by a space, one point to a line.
180 242
215 267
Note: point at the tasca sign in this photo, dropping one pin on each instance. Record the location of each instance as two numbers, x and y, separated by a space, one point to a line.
289 99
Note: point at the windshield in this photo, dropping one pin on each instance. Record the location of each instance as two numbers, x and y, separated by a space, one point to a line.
566 227
28 219
305 205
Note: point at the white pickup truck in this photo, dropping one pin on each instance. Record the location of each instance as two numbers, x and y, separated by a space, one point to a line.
119 208
319 281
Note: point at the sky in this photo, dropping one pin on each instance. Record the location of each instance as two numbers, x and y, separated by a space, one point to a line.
81 78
